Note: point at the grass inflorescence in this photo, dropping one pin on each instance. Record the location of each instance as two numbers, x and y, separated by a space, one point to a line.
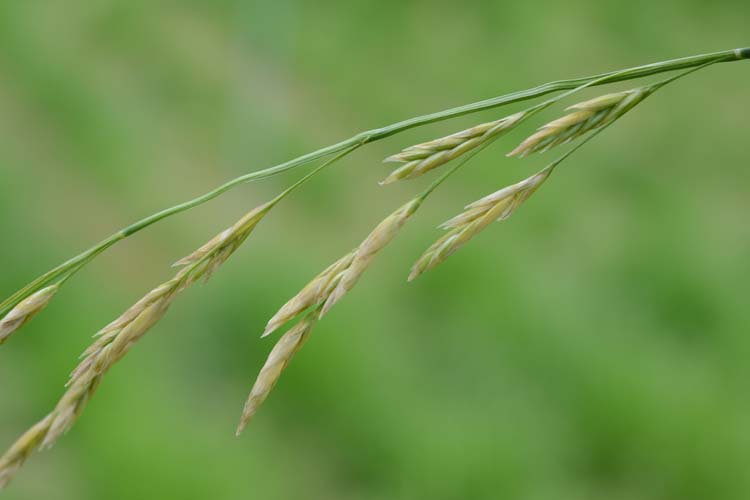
584 121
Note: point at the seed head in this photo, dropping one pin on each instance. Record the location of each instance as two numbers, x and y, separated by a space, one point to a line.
280 356
585 116
25 311
381 236
115 340
497 206
217 250
17 454
427 156
112 344
315 292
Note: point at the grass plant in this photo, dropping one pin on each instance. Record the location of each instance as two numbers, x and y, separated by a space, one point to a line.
584 121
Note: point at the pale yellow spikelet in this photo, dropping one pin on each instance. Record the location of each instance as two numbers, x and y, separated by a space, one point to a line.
340 277
106 351
584 117
217 250
427 156
130 321
116 339
209 246
381 236
17 454
315 292
478 215
70 407
128 316
25 311
280 356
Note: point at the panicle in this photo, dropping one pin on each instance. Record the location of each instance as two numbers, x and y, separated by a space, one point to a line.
422 158
584 117
25 311
280 356
478 215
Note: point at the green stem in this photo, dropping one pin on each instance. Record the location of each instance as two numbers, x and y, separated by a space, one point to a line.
65 270
547 88
528 113
314 172
651 88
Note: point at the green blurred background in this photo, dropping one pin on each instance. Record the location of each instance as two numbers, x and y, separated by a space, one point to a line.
594 346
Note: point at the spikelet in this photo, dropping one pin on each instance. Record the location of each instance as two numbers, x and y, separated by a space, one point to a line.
115 340
321 294
381 236
86 378
341 276
225 243
25 311
497 206
277 361
323 291
315 292
14 458
427 156
585 116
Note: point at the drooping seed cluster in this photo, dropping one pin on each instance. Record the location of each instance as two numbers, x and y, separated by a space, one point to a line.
14 458
325 290
318 296
116 339
585 116
280 356
336 280
497 206
427 156
381 236
25 311
314 293
215 252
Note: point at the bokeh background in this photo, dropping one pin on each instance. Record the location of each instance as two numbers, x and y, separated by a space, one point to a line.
594 346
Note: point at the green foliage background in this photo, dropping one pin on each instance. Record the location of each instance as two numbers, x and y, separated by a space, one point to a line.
594 346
